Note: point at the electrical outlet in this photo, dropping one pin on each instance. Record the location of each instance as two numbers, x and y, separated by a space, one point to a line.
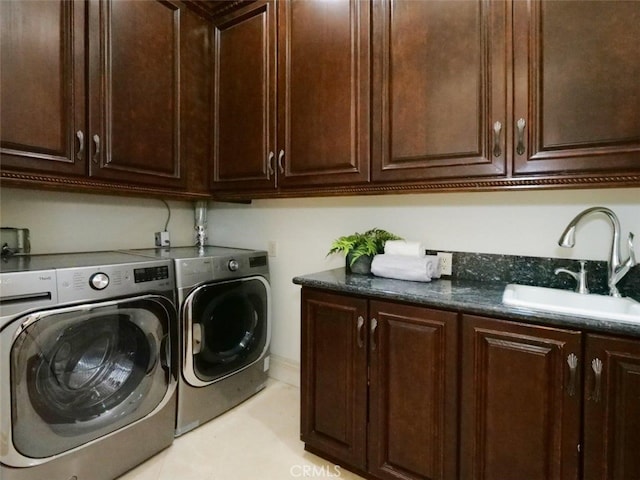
446 260
162 239
272 248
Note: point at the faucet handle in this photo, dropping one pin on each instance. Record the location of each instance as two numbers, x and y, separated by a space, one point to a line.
580 278
632 252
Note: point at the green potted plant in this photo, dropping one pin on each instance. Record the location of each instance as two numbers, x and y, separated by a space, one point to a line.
360 248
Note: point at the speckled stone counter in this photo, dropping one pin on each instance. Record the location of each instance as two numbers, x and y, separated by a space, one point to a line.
460 295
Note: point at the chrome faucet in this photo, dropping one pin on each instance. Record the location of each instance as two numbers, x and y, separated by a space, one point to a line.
616 268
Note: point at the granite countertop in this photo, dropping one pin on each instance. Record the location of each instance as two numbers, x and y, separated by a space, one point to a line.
460 295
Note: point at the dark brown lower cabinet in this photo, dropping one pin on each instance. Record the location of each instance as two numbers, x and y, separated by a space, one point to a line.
379 386
413 393
333 384
611 408
521 395
380 394
535 406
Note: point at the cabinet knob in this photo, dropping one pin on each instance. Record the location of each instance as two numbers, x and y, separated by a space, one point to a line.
374 327
596 366
80 136
96 155
270 170
497 128
359 334
520 125
281 161
572 361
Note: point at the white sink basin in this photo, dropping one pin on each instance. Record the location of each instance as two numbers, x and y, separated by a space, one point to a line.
564 301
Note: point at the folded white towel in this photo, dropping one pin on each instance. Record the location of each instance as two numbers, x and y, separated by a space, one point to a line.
402 247
402 267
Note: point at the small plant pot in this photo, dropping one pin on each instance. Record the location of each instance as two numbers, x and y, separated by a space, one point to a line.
362 265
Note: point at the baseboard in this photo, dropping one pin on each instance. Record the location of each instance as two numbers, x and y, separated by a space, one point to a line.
285 370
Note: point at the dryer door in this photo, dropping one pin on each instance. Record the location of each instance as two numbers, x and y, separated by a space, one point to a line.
227 328
80 373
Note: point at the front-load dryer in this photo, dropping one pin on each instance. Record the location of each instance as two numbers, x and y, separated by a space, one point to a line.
88 383
224 304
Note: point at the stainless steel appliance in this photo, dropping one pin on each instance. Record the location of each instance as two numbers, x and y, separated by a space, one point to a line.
224 303
88 384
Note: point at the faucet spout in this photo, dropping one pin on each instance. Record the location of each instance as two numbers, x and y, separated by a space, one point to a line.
616 268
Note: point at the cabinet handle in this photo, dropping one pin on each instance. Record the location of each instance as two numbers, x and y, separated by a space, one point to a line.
596 366
270 170
497 128
520 124
360 338
280 161
374 326
572 361
80 136
96 140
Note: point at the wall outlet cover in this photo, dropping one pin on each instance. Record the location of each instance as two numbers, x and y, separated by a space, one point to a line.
162 239
446 263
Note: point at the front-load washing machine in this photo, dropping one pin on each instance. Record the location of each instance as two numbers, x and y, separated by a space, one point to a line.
224 303
87 379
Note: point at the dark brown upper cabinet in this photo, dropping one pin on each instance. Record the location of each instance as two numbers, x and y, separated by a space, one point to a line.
134 92
451 104
105 95
244 132
310 124
440 89
577 88
42 99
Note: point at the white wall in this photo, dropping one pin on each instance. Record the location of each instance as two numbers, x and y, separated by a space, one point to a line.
517 223
73 222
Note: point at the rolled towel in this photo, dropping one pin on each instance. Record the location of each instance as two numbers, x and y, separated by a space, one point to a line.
436 265
402 267
402 247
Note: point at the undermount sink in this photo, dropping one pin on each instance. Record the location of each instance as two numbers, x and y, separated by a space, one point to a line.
564 301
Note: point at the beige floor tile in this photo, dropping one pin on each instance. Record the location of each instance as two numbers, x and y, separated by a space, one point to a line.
258 440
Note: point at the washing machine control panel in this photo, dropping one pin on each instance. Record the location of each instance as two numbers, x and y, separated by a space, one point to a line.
99 281
150 274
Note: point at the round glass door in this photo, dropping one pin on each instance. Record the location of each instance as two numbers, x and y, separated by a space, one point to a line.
78 374
229 326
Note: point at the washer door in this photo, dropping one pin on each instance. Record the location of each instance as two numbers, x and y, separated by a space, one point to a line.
80 373
227 328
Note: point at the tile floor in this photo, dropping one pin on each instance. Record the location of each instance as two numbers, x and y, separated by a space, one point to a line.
257 440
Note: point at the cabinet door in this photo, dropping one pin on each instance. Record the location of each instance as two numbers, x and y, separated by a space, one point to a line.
323 92
43 80
196 67
413 393
334 376
612 411
439 87
244 99
576 73
520 403
135 91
